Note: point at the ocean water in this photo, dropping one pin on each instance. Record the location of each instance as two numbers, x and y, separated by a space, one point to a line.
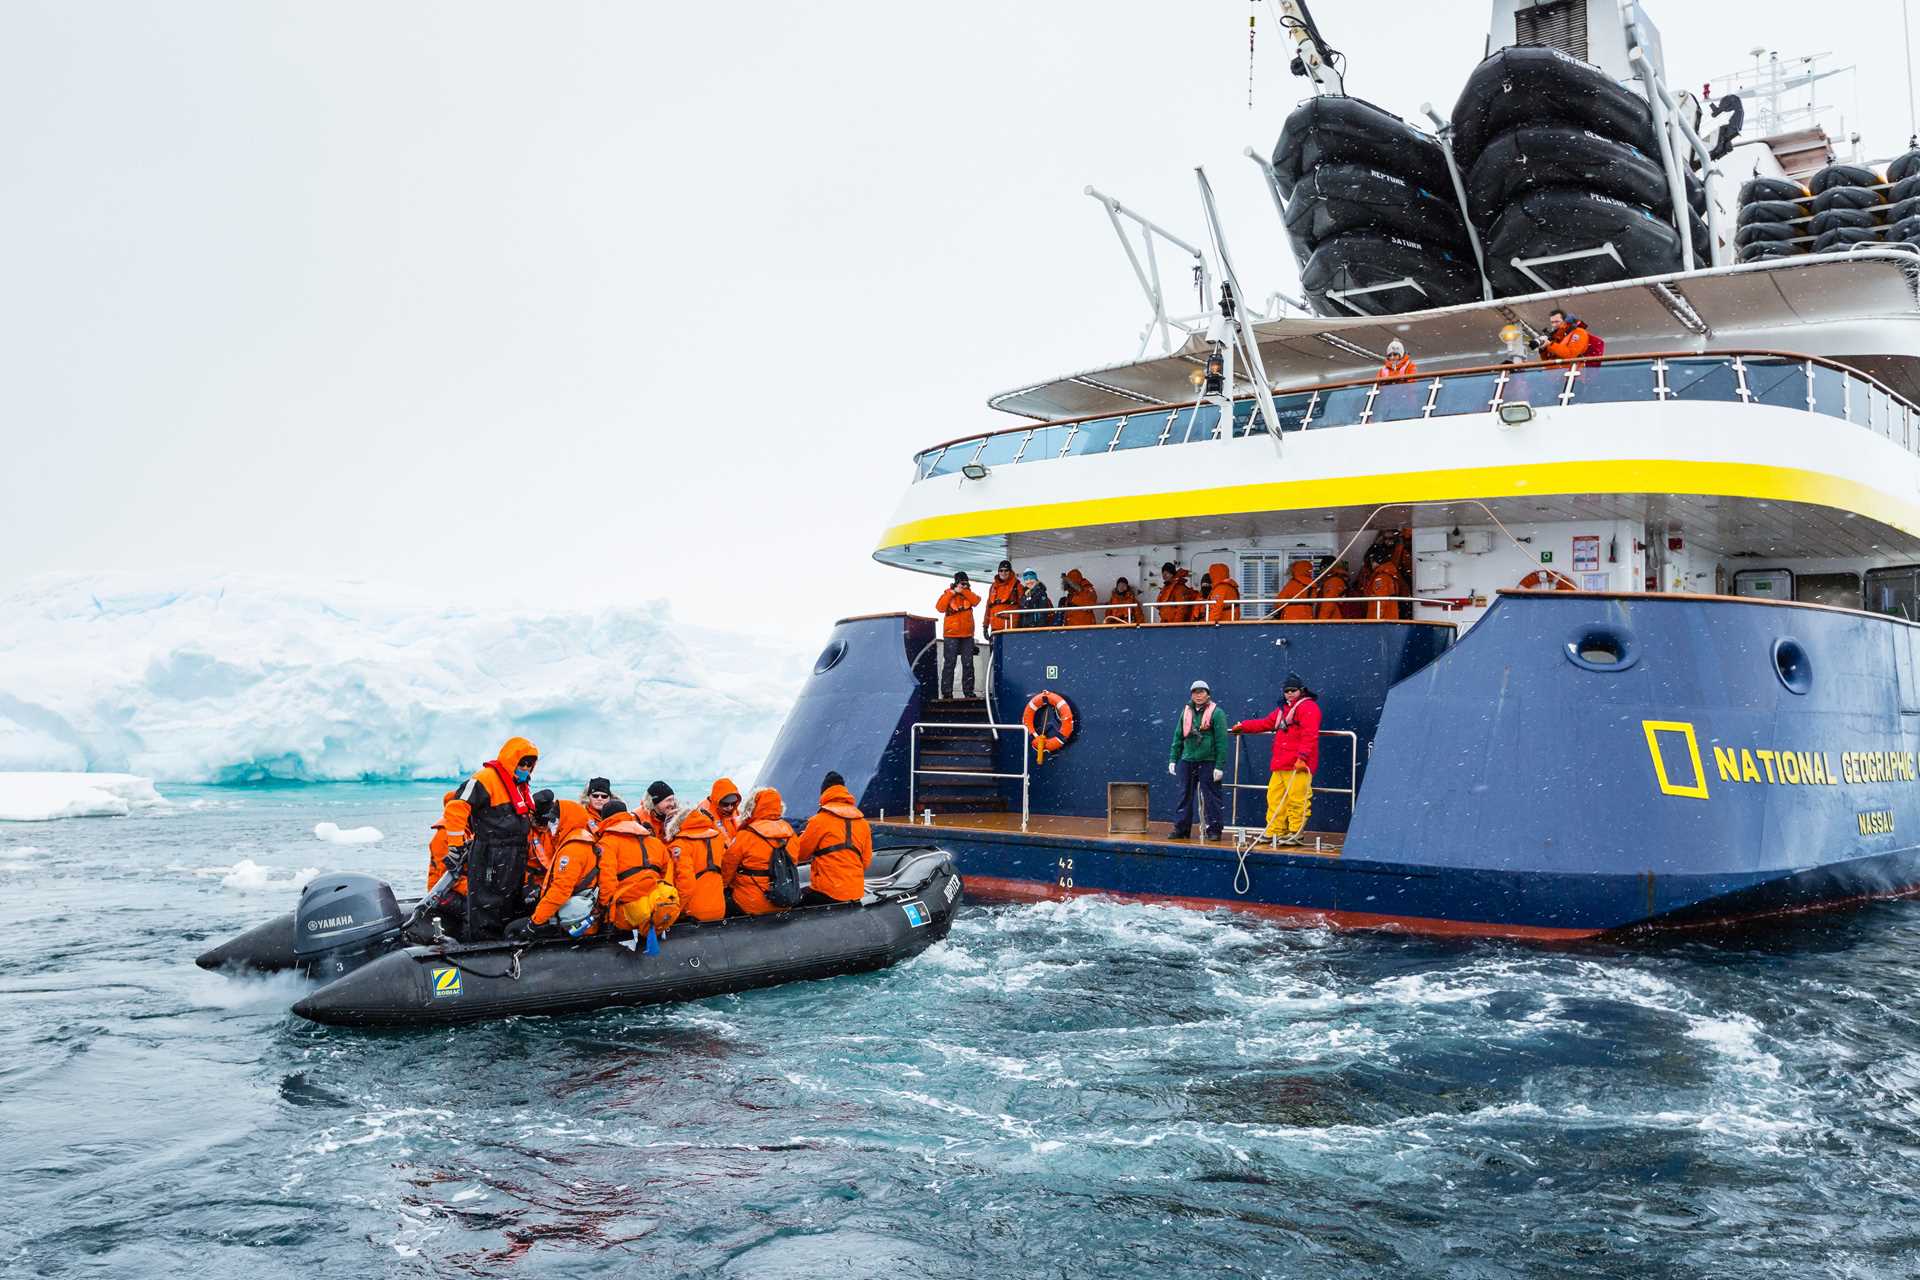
1065 1090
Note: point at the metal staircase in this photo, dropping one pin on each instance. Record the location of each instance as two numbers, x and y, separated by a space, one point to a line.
954 759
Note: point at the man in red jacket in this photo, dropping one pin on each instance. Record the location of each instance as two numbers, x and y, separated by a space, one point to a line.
1295 725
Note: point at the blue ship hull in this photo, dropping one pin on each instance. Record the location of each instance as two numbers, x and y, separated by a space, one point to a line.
1576 765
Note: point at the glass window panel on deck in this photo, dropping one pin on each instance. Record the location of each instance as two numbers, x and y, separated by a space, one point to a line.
1001 449
1703 379
1471 394
1290 409
923 464
1895 592
1341 408
1142 430
1402 401
1092 437
1830 393
1194 425
1613 382
956 457
1777 382
1537 387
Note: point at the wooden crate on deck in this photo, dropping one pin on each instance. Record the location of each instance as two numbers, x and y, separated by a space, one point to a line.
1126 808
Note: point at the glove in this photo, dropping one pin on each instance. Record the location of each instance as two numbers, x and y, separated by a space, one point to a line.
456 859
1219 774
520 930
1173 770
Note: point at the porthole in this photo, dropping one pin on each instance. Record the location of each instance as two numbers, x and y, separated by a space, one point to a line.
1602 647
829 657
1791 664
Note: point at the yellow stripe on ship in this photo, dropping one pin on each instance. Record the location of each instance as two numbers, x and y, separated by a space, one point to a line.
1626 476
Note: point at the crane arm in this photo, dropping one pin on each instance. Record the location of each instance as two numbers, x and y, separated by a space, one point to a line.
1313 57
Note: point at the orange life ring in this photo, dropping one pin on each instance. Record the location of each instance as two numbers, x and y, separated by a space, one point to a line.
1046 743
1546 579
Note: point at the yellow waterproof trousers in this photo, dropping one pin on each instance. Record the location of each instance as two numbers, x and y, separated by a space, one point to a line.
1289 801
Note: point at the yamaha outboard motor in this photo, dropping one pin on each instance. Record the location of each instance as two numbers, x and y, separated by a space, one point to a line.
342 922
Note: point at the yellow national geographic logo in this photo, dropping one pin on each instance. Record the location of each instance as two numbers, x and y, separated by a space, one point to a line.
1694 785
446 982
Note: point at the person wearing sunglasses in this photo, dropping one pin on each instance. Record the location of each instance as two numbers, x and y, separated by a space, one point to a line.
722 805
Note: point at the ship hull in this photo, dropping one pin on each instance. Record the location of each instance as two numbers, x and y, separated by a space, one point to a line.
1576 765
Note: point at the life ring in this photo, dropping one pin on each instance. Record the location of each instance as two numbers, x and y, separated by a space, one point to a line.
1046 743
1546 580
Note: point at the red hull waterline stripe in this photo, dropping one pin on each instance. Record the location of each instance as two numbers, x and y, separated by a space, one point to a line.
998 889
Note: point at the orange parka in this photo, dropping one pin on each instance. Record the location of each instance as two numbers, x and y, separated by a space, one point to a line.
699 849
1297 592
1332 593
1397 368
1116 606
1002 596
839 844
437 853
1568 342
457 815
1080 595
957 603
1173 599
729 827
1384 580
634 867
745 866
575 869
1221 598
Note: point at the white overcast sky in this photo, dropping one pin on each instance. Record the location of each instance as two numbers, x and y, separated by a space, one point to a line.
590 302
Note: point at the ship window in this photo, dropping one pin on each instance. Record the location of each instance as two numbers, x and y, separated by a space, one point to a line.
1092 437
1465 395
1613 382
1002 449
1537 387
1773 382
1341 408
1703 380
1401 401
1895 592
1830 392
1141 431
1841 590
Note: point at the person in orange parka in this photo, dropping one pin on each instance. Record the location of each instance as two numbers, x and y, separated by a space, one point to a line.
1384 580
488 817
1118 609
1297 592
1222 595
699 847
1077 592
839 843
543 837
745 866
1332 594
722 807
1175 593
637 888
570 899
1003 593
956 631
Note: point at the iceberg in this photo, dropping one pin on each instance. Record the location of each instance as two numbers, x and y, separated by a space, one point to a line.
43 797
239 679
332 834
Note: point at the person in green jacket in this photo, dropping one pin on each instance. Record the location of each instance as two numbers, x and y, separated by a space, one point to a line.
1198 758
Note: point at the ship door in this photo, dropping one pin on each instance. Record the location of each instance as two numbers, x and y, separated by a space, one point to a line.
1904 663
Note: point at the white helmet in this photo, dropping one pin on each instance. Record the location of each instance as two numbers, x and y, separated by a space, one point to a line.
1396 348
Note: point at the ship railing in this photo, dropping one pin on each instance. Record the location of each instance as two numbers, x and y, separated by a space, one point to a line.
915 772
1245 836
1780 379
1245 609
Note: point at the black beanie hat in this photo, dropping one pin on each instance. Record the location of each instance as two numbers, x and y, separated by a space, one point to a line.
658 791
833 779
1293 681
960 575
599 784
1168 568
1007 565
613 808
544 805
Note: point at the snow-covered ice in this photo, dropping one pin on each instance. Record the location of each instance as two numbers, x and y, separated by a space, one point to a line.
237 679
249 876
42 797
332 834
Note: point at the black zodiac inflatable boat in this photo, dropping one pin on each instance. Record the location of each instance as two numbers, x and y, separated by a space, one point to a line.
350 933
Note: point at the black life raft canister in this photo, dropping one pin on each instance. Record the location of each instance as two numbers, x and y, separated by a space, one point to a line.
1535 85
1334 199
1335 130
1363 259
1563 220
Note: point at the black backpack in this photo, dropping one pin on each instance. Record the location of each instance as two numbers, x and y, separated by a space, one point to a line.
783 878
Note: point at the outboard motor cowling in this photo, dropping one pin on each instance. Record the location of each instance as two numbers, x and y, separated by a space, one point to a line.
342 922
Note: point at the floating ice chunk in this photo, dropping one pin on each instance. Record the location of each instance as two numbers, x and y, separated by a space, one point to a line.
42 797
352 835
249 876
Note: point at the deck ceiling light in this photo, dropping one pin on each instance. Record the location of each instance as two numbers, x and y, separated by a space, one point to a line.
974 471
1515 415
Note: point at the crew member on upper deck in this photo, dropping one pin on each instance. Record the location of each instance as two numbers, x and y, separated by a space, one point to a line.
1003 595
1223 594
1397 366
1568 338
1175 592
1035 602
956 607
1124 605
1077 592
1297 592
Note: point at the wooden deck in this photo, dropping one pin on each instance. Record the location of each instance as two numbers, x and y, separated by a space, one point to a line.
1322 843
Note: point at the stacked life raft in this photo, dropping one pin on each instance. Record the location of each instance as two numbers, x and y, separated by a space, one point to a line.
1842 206
1554 155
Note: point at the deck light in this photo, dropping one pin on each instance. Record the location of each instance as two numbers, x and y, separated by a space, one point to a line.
1515 415
974 471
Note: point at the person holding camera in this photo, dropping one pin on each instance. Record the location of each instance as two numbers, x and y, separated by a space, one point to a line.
957 644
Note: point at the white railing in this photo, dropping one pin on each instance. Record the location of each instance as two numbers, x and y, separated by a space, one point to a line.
1351 790
1240 608
915 772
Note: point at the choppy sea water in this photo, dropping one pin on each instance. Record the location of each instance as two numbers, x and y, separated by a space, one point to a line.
1074 1090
